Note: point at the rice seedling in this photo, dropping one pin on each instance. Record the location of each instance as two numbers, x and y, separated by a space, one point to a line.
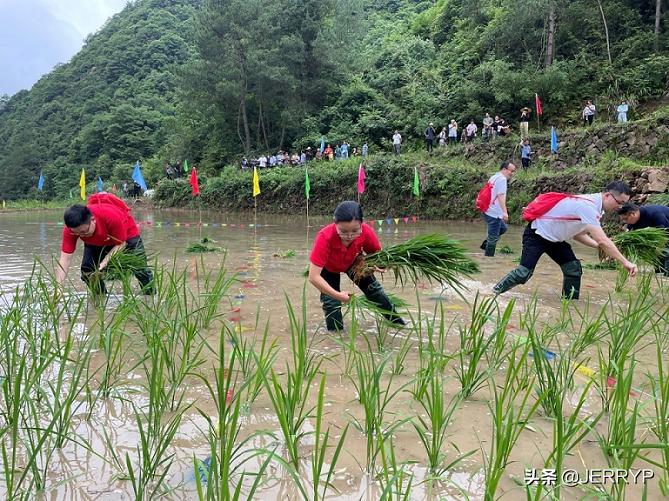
433 430
321 444
394 478
640 246
660 426
431 351
290 398
374 399
224 474
202 246
474 344
511 411
254 365
506 249
433 257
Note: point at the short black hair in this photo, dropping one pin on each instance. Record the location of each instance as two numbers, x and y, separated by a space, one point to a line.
628 208
505 165
348 211
618 187
77 215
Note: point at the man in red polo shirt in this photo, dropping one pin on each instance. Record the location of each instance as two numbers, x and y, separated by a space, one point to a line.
335 249
106 227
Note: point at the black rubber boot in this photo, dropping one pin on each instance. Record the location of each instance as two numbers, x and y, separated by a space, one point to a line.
483 244
373 291
571 279
517 276
490 249
332 309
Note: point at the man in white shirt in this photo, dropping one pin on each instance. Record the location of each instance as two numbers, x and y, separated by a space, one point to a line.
497 216
262 161
574 217
397 142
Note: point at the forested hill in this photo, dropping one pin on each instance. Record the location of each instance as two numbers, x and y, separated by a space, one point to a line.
210 80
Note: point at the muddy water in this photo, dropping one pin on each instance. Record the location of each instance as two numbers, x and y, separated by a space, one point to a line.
269 254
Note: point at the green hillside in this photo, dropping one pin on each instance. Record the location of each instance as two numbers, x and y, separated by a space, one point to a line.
212 80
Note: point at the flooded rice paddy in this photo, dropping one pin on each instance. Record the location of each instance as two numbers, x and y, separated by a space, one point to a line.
178 395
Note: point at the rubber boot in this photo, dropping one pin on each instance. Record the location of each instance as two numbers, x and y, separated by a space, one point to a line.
483 244
334 320
490 248
375 293
571 279
517 276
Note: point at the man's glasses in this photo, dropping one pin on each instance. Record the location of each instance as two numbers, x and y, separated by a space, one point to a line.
82 232
614 197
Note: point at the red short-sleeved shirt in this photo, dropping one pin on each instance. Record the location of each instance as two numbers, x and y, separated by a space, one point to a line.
112 227
330 253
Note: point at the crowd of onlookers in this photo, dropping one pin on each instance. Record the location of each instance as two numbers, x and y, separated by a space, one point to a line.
341 151
488 129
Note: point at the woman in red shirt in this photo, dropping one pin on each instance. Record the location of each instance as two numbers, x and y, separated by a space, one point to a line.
335 249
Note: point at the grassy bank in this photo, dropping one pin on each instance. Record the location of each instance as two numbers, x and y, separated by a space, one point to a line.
448 185
18 205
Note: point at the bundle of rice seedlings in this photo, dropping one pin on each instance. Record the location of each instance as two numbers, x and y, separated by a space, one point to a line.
432 257
202 247
124 263
645 245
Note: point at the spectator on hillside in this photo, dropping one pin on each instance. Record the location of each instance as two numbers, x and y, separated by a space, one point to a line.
429 137
525 153
471 130
310 153
397 142
319 155
328 153
488 130
588 113
503 128
355 152
524 122
245 163
338 152
344 150
125 188
272 160
442 137
453 132
262 161
365 150
303 158
622 110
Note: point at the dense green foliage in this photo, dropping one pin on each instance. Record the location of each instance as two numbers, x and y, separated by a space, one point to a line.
210 80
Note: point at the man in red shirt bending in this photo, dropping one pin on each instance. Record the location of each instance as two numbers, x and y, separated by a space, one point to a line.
106 227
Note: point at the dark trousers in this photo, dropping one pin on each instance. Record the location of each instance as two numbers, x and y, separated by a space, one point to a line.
496 228
525 162
534 246
94 254
372 289
429 143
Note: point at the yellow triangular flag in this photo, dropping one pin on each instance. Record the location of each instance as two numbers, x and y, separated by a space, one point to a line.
82 185
256 182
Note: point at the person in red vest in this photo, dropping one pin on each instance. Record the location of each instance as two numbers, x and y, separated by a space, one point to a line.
335 250
106 227
573 217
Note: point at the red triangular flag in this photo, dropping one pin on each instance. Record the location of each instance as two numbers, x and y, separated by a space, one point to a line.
406 220
361 179
194 183
537 104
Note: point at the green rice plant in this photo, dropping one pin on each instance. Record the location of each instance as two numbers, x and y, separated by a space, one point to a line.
400 354
432 357
225 474
506 249
374 399
433 257
321 444
511 411
474 344
645 245
201 248
660 427
628 326
290 397
394 478
254 364
585 330
433 430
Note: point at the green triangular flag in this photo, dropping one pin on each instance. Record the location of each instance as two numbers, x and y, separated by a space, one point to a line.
307 186
186 166
416 182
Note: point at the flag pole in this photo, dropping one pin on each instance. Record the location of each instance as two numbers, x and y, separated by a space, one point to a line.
308 213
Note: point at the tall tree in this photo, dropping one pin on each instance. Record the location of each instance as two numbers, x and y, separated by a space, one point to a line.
550 37
658 17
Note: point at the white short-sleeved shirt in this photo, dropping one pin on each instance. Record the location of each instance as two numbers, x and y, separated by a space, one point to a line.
499 183
569 217
397 139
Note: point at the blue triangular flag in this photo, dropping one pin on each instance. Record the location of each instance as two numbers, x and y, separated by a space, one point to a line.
100 185
138 178
554 141
40 182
